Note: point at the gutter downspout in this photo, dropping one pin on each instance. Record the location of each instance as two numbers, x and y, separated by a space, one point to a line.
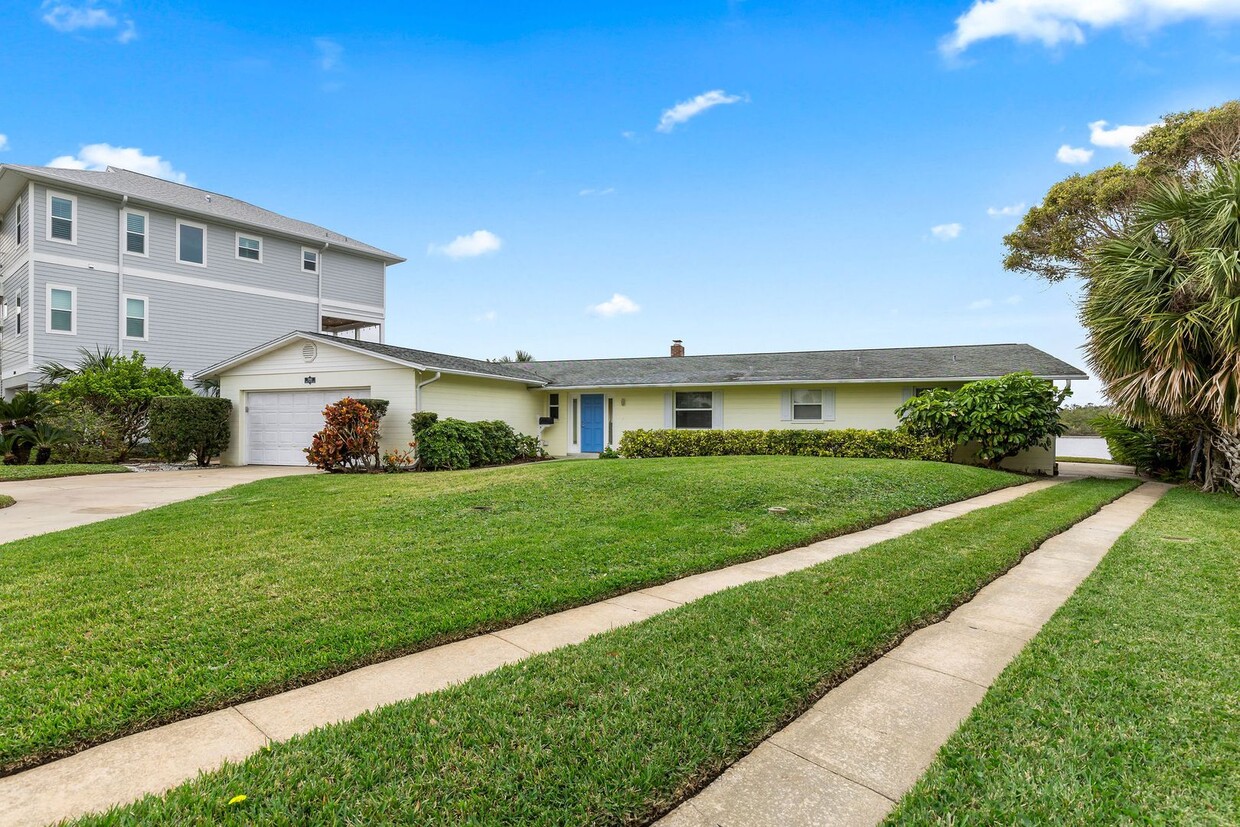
120 277
417 393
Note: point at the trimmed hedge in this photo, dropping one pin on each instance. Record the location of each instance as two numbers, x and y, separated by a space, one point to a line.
847 442
377 407
454 444
181 425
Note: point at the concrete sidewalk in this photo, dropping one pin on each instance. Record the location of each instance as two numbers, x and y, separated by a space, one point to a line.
64 502
851 757
128 768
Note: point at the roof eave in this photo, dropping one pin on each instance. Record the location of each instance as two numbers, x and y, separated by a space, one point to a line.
792 381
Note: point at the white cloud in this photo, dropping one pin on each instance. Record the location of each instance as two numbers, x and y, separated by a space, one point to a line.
1013 300
629 135
617 305
487 317
477 243
1073 155
330 53
102 156
4 142
587 192
1117 136
683 111
89 15
1003 212
946 232
980 304
1055 22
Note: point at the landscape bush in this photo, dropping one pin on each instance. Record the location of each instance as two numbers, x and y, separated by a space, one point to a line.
1002 416
846 442
1162 448
184 425
349 440
454 444
378 407
422 420
19 417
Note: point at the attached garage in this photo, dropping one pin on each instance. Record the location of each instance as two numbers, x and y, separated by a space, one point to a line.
279 425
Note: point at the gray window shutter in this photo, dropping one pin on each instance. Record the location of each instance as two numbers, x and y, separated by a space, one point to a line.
669 413
785 405
828 404
908 394
716 418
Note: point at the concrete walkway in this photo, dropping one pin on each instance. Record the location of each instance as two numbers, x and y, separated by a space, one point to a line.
850 758
128 768
65 502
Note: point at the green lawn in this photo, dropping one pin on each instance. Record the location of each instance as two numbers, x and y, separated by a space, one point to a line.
620 728
14 473
127 623
1125 709
6 500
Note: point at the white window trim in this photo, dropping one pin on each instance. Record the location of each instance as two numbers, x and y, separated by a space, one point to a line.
146 236
827 401
73 223
202 227
73 314
146 318
676 409
822 406
318 260
251 237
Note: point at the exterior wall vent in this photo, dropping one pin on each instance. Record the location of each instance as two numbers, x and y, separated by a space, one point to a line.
309 351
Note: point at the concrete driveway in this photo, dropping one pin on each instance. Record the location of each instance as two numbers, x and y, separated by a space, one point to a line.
52 505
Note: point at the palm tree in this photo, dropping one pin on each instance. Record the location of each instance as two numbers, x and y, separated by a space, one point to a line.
42 437
521 356
1163 314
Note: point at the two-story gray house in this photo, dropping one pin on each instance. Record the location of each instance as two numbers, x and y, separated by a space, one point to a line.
121 261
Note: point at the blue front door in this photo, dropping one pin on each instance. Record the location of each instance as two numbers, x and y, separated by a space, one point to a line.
591 423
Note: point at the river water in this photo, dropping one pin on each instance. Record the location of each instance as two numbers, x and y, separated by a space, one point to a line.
1094 447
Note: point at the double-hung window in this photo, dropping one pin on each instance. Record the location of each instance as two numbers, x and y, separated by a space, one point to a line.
309 260
135 232
807 405
61 309
249 247
135 317
553 406
61 218
191 243
695 409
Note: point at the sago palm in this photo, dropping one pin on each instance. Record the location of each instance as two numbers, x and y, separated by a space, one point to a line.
1163 314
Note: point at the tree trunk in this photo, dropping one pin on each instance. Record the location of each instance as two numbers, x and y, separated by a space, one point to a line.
1223 467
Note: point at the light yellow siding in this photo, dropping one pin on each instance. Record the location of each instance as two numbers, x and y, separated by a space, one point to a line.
286 369
475 399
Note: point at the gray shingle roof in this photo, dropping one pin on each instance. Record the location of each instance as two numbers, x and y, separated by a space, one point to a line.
913 363
183 198
906 363
437 361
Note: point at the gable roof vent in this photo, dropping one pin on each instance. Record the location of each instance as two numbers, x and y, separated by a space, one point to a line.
309 351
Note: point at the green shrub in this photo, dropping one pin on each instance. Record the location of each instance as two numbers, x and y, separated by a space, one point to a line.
1002 416
378 407
609 453
422 420
450 445
453 444
184 425
847 442
1162 448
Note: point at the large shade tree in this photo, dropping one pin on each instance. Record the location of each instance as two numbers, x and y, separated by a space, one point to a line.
1162 307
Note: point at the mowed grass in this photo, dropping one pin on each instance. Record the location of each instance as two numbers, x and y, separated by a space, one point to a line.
125 624
619 729
1125 709
16 473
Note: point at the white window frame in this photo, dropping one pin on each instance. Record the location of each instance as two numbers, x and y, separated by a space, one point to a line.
792 405
249 237
72 331
202 227
146 234
677 409
318 260
73 222
146 318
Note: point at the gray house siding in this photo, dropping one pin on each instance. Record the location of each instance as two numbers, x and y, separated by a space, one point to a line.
191 327
196 315
352 279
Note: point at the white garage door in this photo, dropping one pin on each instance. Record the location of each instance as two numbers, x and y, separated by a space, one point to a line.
279 424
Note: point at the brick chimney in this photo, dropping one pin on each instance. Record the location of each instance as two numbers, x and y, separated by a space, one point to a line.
678 349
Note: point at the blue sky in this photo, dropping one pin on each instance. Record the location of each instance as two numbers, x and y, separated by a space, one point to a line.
744 175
